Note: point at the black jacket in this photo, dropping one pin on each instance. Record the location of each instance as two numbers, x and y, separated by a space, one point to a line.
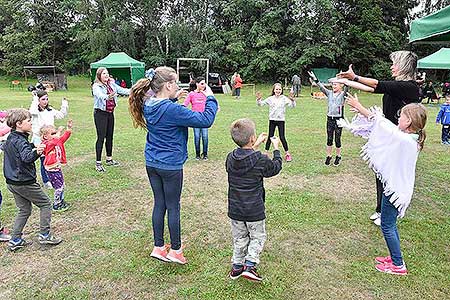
19 158
246 169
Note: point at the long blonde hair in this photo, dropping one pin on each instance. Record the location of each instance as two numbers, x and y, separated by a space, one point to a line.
417 113
98 75
407 64
139 92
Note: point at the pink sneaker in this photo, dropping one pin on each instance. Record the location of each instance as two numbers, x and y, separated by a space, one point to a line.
392 269
160 254
288 157
179 258
383 260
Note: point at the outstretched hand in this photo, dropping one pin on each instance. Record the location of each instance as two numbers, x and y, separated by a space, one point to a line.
261 139
353 101
349 74
313 76
258 96
70 124
275 142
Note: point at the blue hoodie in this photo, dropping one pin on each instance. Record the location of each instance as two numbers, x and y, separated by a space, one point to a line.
443 116
167 125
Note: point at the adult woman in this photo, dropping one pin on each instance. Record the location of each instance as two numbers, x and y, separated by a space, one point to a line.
396 94
152 107
105 92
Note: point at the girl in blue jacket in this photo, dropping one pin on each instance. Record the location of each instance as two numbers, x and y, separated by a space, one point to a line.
152 107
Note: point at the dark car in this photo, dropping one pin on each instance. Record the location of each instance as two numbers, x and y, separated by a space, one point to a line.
215 82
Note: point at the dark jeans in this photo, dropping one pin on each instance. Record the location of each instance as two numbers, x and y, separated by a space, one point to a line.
238 92
43 170
389 228
104 123
333 130
166 186
281 127
203 134
379 194
445 133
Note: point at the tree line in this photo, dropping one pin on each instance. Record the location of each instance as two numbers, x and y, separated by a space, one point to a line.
264 40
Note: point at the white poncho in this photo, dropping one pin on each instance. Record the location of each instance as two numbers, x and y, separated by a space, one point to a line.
391 153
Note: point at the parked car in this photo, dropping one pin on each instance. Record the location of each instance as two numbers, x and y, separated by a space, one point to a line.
215 81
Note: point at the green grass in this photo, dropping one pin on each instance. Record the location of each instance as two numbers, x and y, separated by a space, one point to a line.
320 243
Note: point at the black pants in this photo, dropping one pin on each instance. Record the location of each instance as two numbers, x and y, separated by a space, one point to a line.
104 123
272 126
333 129
445 137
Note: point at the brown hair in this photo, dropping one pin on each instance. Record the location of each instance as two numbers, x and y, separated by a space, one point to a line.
273 88
242 130
417 113
98 75
45 129
138 93
16 115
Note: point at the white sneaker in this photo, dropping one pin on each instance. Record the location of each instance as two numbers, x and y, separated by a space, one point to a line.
377 221
375 215
4 236
48 185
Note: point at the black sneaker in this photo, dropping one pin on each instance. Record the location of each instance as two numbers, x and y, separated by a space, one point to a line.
99 168
112 162
235 273
48 239
197 157
251 274
328 160
17 243
205 156
60 207
337 161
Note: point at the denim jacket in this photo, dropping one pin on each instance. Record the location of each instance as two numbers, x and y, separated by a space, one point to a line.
100 94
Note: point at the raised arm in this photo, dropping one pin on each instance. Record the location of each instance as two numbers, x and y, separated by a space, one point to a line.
355 85
61 114
350 75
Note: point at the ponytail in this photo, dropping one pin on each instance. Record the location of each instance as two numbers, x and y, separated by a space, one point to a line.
422 137
136 102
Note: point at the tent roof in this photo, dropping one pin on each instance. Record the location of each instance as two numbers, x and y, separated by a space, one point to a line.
437 60
433 28
44 69
323 74
117 60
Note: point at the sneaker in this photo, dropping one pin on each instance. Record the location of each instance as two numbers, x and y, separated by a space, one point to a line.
377 221
375 215
205 156
390 268
179 258
62 206
288 157
4 236
48 185
160 254
383 260
251 274
337 160
48 239
236 271
328 160
17 243
112 162
99 168
197 157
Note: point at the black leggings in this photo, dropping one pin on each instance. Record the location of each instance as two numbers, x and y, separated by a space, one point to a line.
280 125
104 123
333 129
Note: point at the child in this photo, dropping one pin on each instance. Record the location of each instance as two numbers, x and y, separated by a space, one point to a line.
197 99
277 114
392 152
20 174
238 86
443 117
4 132
246 169
43 114
335 112
55 157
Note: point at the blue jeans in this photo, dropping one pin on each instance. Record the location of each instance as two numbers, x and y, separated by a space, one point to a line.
166 186
389 228
43 171
203 133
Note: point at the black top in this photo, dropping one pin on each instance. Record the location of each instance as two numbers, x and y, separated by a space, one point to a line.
19 158
246 195
396 95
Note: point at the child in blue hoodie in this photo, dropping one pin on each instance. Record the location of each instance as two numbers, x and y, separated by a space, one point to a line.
443 117
152 107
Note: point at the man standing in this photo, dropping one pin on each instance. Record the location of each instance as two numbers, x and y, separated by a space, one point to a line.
296 85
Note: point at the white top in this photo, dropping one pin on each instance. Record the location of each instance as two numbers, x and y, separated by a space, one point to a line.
277 106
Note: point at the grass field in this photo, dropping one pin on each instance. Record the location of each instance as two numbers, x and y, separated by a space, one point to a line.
321 244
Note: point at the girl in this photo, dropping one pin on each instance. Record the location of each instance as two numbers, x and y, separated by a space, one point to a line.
43 114
277 113
197 99
152 107
55 157
105 93
392 152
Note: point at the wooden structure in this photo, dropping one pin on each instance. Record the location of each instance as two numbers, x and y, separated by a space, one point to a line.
52 77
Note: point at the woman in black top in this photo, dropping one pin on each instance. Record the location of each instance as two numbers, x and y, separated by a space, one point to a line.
396 94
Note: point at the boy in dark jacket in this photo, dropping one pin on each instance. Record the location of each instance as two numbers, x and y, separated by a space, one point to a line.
20 175
246 169
443 117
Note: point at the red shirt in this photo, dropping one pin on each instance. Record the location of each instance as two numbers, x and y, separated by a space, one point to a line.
238 82
55 154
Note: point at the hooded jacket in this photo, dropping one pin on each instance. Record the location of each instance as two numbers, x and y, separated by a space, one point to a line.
19 158
246 169
167 125
443 116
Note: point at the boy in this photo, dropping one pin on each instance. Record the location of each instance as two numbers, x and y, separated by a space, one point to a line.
246 169
443 117
20 175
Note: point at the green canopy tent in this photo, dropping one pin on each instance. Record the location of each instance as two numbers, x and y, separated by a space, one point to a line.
437 60
434 28
121 67
323 75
